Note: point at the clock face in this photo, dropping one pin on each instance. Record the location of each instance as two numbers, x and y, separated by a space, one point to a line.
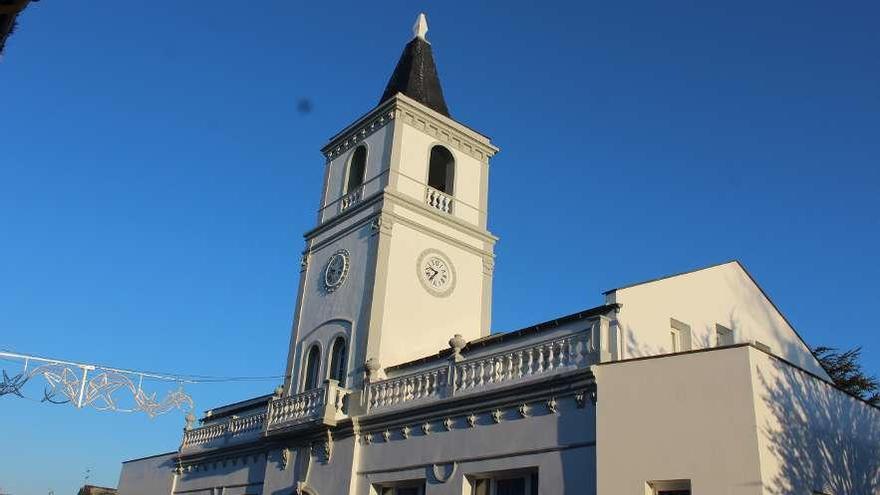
436 272
336 270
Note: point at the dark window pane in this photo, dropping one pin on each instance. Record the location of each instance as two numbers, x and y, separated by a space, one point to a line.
441 170
515 486
313 364
337 361
357 168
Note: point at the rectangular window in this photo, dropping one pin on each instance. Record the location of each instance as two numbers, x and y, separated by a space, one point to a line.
405 488
518 483
670 487
723 335
679 335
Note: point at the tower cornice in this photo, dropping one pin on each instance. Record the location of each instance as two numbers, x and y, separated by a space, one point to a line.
417 115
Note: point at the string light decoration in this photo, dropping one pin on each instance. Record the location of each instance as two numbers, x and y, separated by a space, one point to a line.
103 388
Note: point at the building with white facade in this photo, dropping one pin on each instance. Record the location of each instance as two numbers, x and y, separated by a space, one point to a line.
694 383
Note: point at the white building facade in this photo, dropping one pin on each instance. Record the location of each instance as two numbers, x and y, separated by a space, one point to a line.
694 383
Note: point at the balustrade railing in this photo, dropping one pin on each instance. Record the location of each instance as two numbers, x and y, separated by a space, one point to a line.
352 198
407 388
327 404
551 356
295 409
546 357
247 424
234 427
204 434
437 199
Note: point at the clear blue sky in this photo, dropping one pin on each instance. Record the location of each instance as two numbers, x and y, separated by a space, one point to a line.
156 176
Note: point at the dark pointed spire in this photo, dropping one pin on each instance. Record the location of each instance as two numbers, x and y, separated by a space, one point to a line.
415 74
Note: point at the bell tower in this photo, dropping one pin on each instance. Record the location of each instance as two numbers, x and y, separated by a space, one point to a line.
400 259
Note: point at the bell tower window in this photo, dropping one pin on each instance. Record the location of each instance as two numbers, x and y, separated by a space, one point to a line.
337 361
441 170
357 167
313 364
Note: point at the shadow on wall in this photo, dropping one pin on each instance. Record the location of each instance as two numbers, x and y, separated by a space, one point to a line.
823 439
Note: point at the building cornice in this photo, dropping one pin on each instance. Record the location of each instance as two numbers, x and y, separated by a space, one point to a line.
400 200
416 115
556 386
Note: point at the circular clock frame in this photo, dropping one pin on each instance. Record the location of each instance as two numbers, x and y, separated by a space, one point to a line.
336 270
434 254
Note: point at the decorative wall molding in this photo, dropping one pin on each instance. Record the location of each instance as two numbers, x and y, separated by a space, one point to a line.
350 137
322 450
381 224
488 265
442 131
497 416
448 423
443 472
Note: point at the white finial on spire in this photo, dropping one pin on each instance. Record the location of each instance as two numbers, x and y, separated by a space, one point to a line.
420 28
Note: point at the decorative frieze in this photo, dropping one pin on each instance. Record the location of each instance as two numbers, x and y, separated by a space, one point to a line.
497 415
472 420
445 133
344 143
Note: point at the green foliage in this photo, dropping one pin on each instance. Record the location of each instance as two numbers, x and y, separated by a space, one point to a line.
847 372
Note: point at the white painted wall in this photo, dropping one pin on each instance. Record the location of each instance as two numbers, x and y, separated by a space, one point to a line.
684 416
723 294
415 322
733 421
412 172
811 436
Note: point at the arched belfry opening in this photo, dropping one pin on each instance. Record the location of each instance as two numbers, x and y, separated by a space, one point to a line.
338 355
357 168
313 366
441 170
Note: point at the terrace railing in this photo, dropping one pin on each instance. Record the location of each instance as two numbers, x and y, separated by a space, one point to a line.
326 405
574 351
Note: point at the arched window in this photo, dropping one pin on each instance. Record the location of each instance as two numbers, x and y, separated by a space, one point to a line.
313 364
357 167
337 361
441 170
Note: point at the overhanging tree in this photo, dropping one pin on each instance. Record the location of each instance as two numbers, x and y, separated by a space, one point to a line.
846 371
